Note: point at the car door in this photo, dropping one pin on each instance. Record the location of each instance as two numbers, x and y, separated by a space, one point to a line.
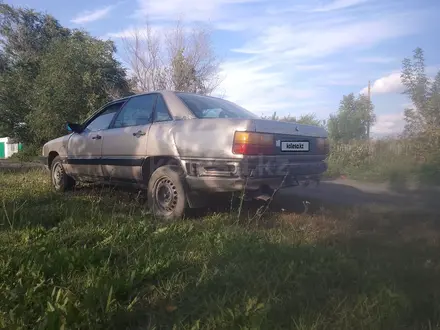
124 145
84 149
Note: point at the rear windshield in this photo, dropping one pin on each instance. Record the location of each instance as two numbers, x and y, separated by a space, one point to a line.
211 107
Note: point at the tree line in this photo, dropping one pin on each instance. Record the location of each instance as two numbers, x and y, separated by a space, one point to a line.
50 74
352 121
356 116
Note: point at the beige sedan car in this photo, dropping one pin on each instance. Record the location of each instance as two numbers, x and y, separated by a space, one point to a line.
181 147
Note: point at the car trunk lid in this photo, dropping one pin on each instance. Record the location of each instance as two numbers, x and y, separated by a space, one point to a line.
288 128
292 138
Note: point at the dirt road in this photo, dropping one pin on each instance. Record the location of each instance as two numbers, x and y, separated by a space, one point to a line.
9 166
350 192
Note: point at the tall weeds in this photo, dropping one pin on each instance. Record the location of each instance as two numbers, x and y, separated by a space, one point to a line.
415 159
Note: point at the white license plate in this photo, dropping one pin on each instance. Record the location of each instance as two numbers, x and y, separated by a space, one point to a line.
295 146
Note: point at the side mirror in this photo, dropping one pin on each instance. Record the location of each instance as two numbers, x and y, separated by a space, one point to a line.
71 127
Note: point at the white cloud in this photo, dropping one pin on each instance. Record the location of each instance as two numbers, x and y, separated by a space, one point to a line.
136 31
193 11
342 78
93 15
126 33
323 38
286 51
388 124
339 4
308 7
376 60
387 84
311 67
261 89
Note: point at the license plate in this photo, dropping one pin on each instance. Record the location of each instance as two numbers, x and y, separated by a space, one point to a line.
295 146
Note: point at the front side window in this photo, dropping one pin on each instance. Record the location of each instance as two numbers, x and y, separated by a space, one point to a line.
211 107
104 118
137 111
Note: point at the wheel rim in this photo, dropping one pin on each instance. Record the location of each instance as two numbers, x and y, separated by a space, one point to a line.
165 196
57 175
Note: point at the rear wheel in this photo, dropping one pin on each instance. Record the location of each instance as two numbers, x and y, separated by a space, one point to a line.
166 193
60 180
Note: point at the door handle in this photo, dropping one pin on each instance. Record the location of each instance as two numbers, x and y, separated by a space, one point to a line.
96 137
139 133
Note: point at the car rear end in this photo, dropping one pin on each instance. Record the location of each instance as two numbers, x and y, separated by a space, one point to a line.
259 155
281 154
227 148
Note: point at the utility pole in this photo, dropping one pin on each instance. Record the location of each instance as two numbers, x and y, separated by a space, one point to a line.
369 109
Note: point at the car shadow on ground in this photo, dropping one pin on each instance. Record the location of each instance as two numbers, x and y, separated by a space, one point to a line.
299 199
340 194
342 278
332 196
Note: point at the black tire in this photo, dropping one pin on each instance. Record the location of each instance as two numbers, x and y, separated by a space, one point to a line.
60 180
167 180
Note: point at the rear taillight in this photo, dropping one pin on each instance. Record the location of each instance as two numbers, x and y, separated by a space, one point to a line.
323 145
249 143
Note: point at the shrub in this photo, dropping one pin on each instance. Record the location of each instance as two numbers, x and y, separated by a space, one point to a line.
29 153
395 160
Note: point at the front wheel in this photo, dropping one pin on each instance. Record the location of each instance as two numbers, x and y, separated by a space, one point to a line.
60 180
166 193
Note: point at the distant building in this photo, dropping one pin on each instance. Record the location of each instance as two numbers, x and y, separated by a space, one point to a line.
8 147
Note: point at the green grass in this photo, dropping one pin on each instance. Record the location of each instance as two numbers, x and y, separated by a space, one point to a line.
95 259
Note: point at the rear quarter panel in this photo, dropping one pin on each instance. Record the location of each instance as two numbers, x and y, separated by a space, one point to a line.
161 139
207 138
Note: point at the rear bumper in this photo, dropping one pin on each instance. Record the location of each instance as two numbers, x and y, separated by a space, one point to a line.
213 184
250 177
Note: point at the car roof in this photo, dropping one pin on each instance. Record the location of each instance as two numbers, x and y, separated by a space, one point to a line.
163 92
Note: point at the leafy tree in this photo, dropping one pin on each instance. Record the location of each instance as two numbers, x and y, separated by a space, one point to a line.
271 117
77 76
307 119
184 76
424 94
50 74
354 117
24 35
181 59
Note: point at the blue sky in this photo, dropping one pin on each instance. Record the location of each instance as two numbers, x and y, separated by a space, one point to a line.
292 57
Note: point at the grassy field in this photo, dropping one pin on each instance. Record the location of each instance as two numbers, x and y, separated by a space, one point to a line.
94 258
399 161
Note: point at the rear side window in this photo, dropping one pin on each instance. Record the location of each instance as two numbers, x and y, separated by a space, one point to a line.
137 111
104 118
162 113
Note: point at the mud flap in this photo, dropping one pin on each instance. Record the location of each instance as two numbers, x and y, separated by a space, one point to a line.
263 197
196 200
265 193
